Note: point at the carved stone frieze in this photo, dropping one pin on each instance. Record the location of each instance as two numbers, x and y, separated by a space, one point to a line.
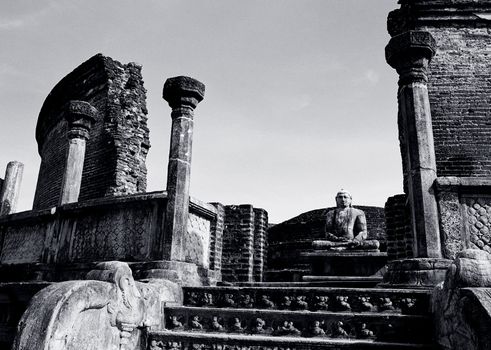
477 222
314 301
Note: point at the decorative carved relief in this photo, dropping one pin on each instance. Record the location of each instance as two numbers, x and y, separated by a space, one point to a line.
103 237
197 241
478 222
22 244
314 302
103 312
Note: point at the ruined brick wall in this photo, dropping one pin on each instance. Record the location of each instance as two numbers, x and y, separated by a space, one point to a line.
216 238
398 228
459 84
238 243
119 139
243 251
260 243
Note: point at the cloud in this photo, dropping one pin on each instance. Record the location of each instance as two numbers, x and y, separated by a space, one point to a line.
26 19
372 77
368 77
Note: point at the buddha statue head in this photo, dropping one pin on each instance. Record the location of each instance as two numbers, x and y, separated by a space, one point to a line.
343 199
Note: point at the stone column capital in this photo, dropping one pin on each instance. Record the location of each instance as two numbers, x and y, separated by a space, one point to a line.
80 116
410 53
183 92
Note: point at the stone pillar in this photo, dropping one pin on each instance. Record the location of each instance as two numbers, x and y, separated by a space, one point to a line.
80 117
183 95
10 188
410 53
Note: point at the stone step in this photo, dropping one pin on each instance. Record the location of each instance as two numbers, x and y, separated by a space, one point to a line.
306 280
181 340
403 301
356 325
344 281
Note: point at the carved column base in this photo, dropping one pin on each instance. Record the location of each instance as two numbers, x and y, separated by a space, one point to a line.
184 273
415 273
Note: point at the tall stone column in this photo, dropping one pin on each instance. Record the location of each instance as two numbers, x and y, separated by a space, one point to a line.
10 188
80 117
183 95
410 53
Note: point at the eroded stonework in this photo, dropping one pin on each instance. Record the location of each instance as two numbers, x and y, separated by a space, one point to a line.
197 240
477 222
119 139
22 244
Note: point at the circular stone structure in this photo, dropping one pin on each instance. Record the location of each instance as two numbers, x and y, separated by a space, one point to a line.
287 240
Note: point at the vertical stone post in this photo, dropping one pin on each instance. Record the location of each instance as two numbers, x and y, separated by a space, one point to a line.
183 95
10 188
410 53
80 117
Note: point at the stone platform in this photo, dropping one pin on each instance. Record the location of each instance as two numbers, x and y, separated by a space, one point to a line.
345 263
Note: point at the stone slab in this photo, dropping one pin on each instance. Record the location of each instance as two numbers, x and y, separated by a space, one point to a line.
182 339
221 320
328 263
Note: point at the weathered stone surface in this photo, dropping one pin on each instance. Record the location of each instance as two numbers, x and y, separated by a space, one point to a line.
459 79
346 228
415 272
104 313
14 299
126 228
293 317
80 117
183 91
183 95
409 53
465 211
462 303
345 263
10 188
216 239
119 142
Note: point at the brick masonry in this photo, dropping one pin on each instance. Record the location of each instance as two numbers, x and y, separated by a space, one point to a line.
260 243
398 228
244 243
216 238
459 80
459 88
119 140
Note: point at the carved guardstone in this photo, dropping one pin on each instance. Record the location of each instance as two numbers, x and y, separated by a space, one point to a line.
107 311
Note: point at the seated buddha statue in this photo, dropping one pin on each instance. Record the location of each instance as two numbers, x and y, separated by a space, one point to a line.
346 227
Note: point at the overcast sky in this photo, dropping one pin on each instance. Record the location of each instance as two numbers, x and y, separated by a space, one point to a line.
299 100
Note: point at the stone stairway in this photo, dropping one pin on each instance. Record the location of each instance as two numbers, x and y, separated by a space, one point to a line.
296 318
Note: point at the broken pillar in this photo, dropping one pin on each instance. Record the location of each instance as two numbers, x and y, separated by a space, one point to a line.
183 95
80 117
410 53
10 188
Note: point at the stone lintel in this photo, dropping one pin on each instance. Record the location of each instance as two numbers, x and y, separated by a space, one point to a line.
410 53
80 116
183 91
453 182
420 13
